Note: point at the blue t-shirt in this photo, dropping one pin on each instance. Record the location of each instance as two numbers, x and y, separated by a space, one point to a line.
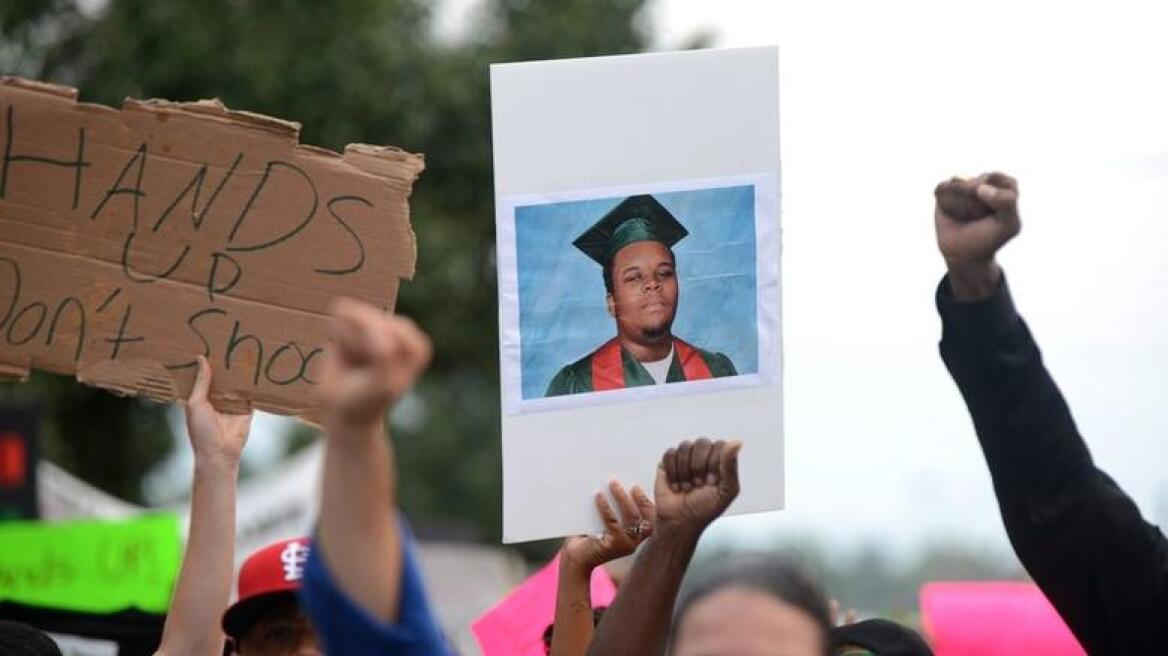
344 628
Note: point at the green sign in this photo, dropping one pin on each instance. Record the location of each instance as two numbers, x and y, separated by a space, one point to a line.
91 566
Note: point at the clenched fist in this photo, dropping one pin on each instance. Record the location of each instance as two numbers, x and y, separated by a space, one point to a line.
696 483
372 359
974 219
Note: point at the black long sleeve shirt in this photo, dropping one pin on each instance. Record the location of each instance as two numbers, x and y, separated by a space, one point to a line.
1079 536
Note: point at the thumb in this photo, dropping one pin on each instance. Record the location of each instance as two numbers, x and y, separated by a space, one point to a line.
661 485
202 382
728 470
1003 200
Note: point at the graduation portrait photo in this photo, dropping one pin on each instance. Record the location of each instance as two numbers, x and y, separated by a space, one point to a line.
627 294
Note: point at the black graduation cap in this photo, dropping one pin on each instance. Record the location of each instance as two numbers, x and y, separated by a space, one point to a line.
636 218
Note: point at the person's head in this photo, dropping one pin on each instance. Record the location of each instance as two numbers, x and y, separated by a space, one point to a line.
17 639
633 244
755 605
280 628
267 619
550 631
643 293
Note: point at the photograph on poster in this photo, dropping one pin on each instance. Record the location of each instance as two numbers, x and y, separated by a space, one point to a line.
643 293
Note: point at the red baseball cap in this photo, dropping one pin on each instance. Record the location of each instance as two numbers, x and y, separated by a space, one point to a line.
267 576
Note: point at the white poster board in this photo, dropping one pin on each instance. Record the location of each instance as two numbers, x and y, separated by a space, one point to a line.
680 149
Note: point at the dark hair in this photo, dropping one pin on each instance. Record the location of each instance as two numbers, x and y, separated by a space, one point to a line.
608 268
18 639
781 578
597 612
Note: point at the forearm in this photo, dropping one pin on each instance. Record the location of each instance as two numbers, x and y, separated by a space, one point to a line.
573 621
204 582
638 621
357 534
1031 443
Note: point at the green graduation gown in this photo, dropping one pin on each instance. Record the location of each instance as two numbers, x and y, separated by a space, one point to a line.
612 367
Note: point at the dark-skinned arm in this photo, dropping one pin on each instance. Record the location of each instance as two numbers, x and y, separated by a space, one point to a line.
582 554
694 486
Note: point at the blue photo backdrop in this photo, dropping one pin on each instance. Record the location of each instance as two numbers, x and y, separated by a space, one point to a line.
562 312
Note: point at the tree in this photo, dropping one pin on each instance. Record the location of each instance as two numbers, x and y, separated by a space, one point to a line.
361 71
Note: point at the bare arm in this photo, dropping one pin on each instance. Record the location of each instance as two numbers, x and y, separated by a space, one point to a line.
580 555
372 361
695 484
204 583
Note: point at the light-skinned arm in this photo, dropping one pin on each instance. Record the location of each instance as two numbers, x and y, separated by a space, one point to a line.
582 554
372 360
204 582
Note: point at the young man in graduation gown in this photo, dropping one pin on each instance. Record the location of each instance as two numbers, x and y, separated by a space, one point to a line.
633 245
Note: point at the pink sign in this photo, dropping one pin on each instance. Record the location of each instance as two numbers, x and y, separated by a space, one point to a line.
515 625
1004 619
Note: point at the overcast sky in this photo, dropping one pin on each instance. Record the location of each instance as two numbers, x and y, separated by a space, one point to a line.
879 102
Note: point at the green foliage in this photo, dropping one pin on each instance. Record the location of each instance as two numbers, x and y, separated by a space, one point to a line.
359 71
107 440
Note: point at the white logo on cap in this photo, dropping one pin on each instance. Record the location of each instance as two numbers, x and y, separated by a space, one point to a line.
294 555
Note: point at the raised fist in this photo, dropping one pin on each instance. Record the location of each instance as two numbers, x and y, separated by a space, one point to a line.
975 218
372 359
696 483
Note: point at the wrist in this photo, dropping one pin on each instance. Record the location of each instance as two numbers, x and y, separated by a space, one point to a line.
350 431
217 464
678 531
973 280
571 564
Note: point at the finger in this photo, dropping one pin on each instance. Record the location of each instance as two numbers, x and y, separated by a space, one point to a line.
371 323
359 331
628 509
345 334
728 472
647 509
611 523
669 467
1001 180
1003 200
699 461
413 344
684 478
956 199
202 385
714 464
945 187
660 482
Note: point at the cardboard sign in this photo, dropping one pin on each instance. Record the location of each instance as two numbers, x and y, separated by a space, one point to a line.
91 566
132 240
515 626
1001 618
671 156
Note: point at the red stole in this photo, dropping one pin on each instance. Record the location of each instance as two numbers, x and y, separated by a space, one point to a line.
608 371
